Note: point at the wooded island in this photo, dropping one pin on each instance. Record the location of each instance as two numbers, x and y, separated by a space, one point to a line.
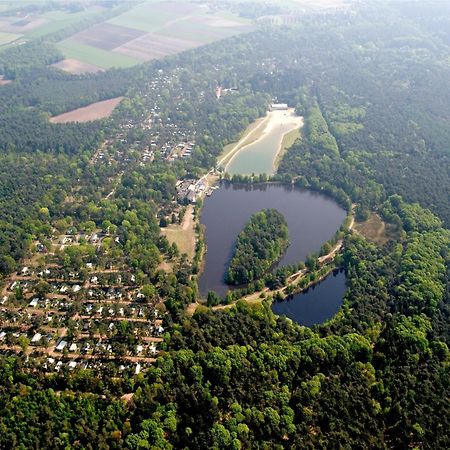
260 244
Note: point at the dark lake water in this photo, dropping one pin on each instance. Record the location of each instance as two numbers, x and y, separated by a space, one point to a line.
312 219
318 304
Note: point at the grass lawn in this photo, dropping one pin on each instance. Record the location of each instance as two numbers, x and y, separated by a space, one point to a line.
183 234
96 56
6 38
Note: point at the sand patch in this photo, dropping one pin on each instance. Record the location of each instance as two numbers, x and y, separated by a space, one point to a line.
77 67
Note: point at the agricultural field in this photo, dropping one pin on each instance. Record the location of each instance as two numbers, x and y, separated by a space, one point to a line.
7 38
153 46
151 30
95 56
58 20
95 111
153 15
107 36
38 25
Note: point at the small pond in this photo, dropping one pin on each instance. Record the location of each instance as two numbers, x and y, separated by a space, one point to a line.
316 305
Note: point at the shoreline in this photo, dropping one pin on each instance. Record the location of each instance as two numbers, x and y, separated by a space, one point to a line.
293 280
286 144
241 143
281 149
271 119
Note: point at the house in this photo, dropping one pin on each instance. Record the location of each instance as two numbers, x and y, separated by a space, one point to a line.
33 303
73 347
72 365
36 338
138 369
2 335
61 346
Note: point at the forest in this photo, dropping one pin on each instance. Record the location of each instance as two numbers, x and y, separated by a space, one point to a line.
372 85
259 245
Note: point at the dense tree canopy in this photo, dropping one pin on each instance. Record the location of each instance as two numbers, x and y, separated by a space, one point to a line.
259 245
372 85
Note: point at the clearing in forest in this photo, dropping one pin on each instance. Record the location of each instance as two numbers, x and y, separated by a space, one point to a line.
183 234
94 111
77 67
375 230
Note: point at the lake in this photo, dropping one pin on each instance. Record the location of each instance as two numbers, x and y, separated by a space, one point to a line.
312 219
316 305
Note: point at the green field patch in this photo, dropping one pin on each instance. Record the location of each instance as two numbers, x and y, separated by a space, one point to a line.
146 17
57 20
6 38
197 31
343 128
96 56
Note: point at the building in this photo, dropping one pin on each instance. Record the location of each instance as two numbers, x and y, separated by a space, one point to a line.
36 338
61 346
279 107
